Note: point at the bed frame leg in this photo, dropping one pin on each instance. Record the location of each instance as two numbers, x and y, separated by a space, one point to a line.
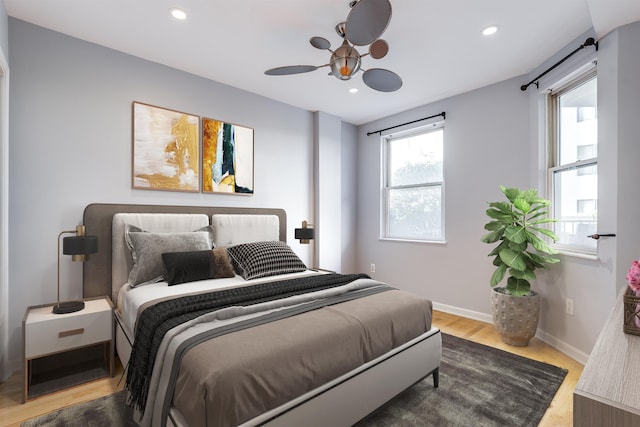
436 378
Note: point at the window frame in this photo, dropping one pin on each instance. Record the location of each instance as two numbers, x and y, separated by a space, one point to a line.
386 188
554 146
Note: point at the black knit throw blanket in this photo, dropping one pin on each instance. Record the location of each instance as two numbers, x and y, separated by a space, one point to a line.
158 319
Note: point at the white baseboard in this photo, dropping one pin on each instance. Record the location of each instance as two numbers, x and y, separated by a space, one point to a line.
577 355
463 312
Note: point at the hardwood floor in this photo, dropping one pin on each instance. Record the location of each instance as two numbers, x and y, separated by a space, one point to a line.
13 412
560 412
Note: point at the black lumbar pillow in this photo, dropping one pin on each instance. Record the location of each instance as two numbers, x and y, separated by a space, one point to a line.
182 267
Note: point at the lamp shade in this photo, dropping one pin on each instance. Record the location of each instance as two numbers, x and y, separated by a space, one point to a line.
305 233
80 245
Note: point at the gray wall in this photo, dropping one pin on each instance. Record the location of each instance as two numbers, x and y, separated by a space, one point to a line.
626 105
348 205
491 138
486 144
4 30
70 145
4 200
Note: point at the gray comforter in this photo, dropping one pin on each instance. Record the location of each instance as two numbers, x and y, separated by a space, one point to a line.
231 365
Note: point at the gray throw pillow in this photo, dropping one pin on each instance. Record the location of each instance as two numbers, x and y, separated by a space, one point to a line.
147 249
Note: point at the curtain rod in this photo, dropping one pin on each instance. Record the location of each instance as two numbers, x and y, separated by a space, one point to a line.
443 114
588 42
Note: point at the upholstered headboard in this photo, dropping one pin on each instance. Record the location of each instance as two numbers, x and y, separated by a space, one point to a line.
98 220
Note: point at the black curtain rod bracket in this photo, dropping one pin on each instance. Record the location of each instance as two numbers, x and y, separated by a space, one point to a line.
588 42
443 114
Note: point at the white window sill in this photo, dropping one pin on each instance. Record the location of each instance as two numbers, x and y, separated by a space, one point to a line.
581 255
395 239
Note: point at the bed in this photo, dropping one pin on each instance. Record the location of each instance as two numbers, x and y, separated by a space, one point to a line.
276 345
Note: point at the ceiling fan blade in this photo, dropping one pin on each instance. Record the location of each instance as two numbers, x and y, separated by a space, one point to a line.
382 80
290 69
367 20
320 43
379 49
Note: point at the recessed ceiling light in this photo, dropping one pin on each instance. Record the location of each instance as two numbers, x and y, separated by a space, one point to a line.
353 90
178 13
492 29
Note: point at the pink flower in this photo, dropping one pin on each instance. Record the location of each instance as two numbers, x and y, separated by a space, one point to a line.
633 277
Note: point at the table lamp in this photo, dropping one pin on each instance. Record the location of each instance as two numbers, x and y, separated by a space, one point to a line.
79 247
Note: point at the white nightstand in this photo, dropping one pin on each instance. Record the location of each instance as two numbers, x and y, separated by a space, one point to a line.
63 350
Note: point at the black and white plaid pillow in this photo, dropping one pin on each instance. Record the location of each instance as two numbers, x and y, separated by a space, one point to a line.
262 259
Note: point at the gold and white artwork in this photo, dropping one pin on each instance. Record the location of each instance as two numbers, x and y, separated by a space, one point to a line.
166 149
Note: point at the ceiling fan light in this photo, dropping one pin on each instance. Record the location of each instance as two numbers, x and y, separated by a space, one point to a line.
345 62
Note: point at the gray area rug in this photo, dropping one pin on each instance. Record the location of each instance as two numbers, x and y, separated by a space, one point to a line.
479 386
107 411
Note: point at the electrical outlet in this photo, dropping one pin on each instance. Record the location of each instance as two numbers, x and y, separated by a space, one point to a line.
569 306
373 268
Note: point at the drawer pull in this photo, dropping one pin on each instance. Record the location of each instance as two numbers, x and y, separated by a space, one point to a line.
70 333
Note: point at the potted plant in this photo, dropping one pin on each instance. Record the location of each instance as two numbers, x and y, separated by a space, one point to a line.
517 225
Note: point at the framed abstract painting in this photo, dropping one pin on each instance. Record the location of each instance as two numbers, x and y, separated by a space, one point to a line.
227 158
166 149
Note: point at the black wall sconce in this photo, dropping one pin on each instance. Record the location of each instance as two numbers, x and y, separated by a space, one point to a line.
306 233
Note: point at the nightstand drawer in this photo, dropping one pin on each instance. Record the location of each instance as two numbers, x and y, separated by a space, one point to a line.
67 332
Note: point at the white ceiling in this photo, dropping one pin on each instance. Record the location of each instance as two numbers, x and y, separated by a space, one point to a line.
436 46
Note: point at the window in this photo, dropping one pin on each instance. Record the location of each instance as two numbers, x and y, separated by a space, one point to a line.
586 207
413 184
573 168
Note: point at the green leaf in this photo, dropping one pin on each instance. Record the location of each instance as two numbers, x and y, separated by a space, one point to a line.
526 274
534 214
498 275
497 249
532 261
550 234
505 218
497 261
518 247
543 220
531 196
542 259
512 258
511 193
521 204
492 237
518 287
517 234
493 226
540 244
501 206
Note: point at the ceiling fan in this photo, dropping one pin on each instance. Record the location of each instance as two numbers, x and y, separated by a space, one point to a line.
366 22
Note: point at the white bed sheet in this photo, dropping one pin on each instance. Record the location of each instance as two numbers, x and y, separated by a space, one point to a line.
130 299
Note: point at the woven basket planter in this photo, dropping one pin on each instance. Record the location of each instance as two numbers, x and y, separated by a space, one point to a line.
631 319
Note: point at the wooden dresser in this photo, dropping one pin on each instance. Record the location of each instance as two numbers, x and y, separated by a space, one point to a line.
608 392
